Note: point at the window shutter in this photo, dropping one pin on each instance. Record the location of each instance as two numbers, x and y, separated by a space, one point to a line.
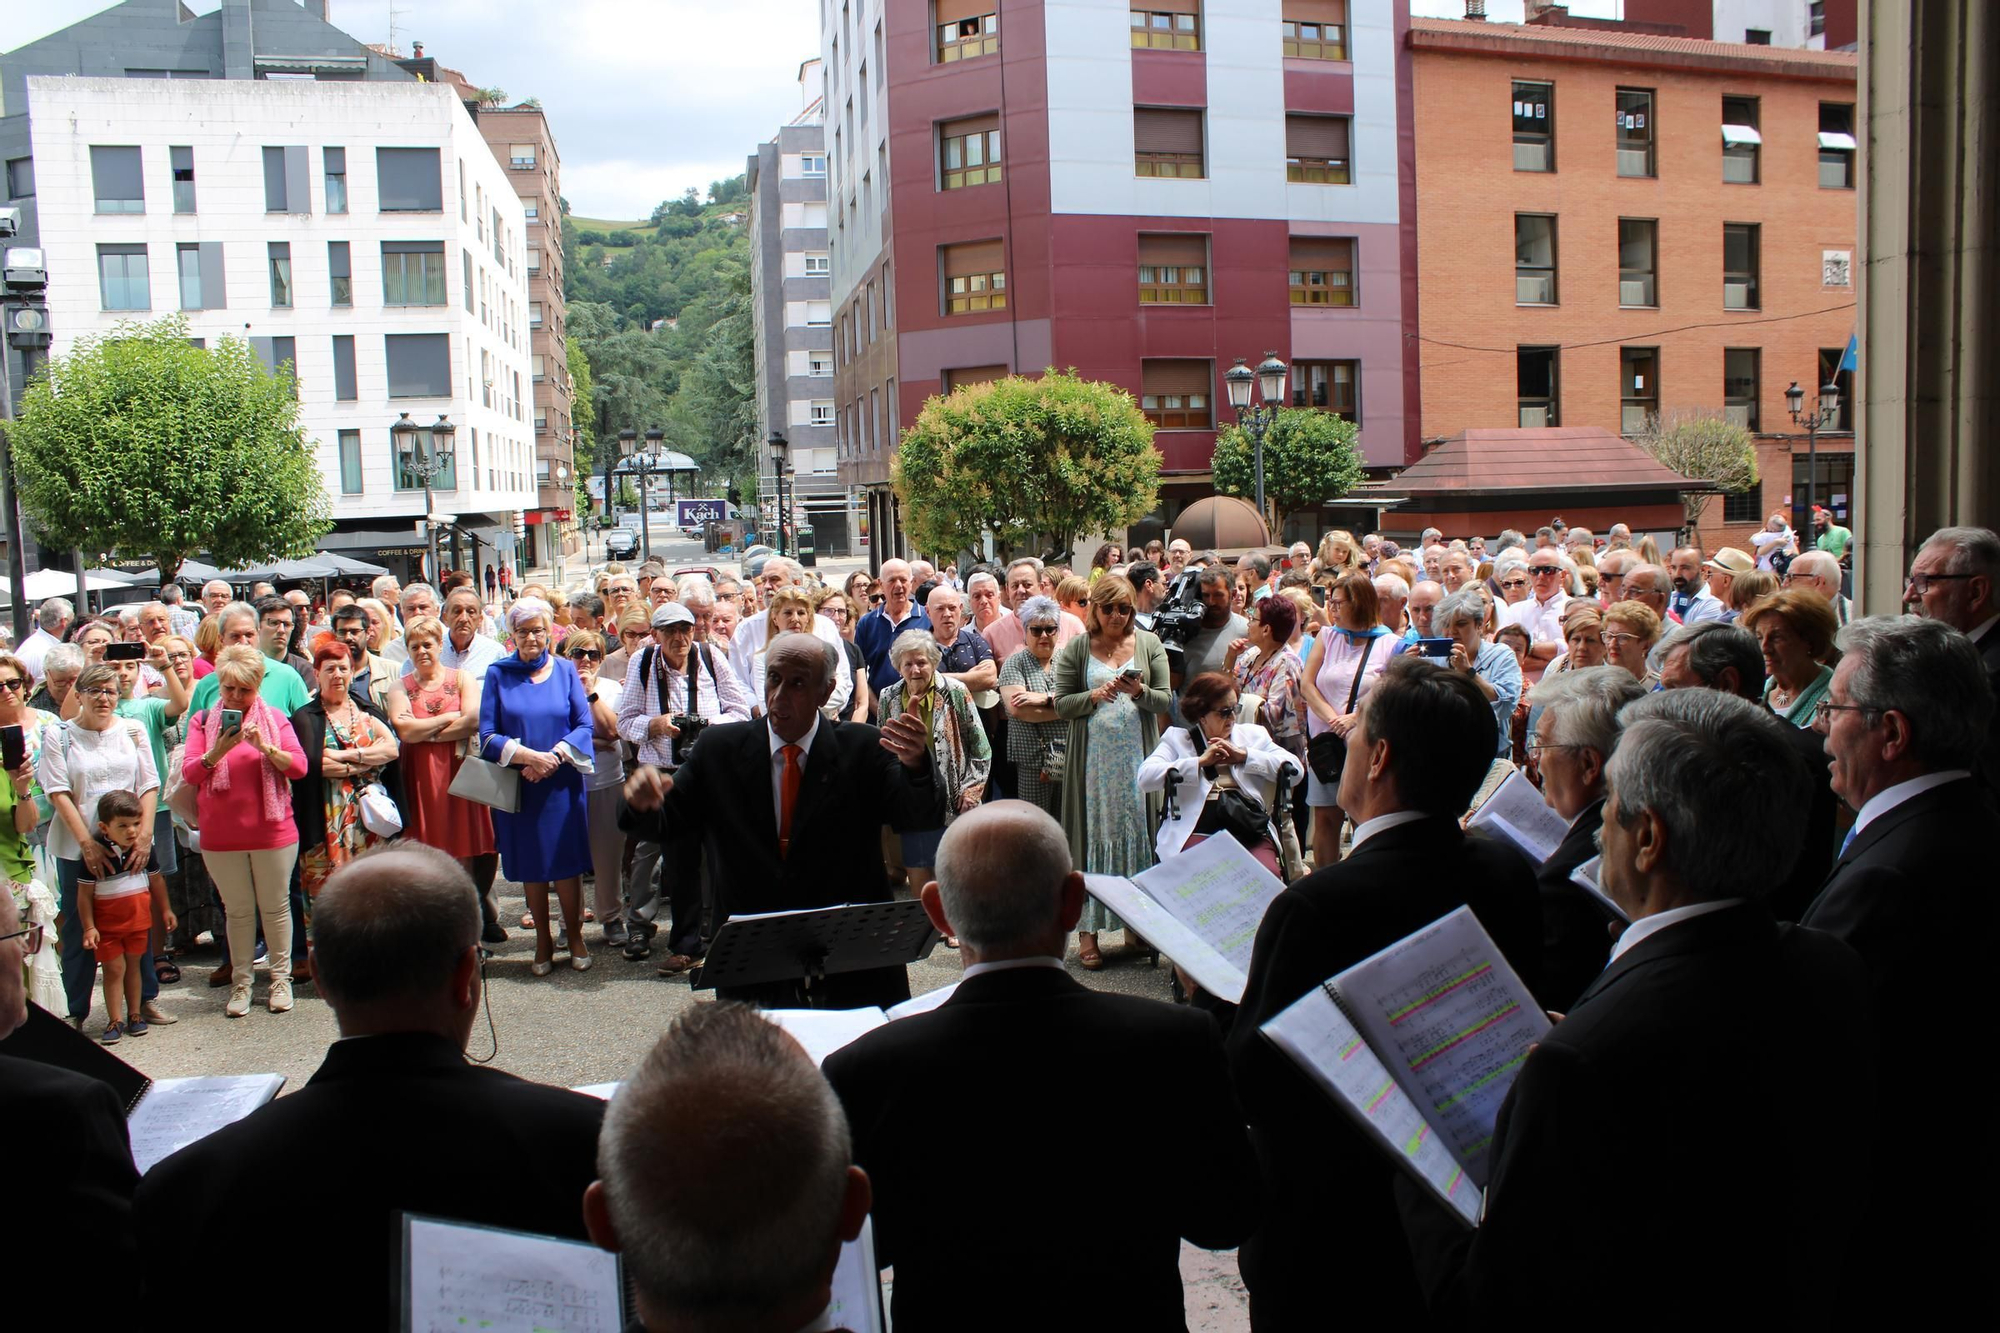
298 194
214 292
1316 136
115 173
950 11
1320 254
1177 377
1168 6
1157 130
1315 11
1177 249
962 261
953 129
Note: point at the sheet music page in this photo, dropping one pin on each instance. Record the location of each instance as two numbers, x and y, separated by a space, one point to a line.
824 1031
1517 810
177 1111
921 1004
1324 1043
1217 890
1452 1022
1159 927
1589 878
602 1091
458 1277
857 1288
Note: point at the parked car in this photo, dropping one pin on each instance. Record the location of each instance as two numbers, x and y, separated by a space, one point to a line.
709 572
621 544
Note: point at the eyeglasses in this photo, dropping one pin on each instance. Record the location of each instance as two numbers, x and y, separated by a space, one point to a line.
100 692
1513 583
30 937
1536 746
1040 631
1921 583
588 655
1612 640
13 683
631 634
1823 711
1119 608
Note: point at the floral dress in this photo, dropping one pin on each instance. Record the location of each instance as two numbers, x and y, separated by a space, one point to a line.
1116 839
1277 684
346 836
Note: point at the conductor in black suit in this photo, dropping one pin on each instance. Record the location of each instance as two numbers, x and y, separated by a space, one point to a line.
1574 737
1426 739
1006 1045
795 806
1685 1143
395 1120
1913 892
71 1195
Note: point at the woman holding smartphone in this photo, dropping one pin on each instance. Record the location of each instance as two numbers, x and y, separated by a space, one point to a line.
1112 688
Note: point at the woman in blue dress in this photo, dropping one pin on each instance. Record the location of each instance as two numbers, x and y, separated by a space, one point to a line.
535 716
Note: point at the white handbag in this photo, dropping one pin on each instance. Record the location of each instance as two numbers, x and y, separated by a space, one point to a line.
379 814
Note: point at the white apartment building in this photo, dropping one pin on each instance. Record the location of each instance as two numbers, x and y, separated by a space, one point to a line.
362 233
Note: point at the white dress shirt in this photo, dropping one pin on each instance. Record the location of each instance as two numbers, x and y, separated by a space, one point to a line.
1659 921
33 649
1009 964
1882 802
778 744
1542 618
749 641
481 653
1368 828
1705 606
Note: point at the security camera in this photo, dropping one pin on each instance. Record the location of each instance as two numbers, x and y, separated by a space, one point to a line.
10 223
24 268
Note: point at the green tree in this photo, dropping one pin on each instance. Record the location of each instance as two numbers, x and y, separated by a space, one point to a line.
1310 458
1053 457
140 444
1707 448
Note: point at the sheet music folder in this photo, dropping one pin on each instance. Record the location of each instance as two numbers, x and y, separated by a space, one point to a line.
815 944
47 1039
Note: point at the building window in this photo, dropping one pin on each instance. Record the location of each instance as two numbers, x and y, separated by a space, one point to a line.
819 314
419 364
1831 362
818 264
1322 270
116 180
1314 29
1739 266
1816 18
285 187
344 387
201 275
540 368
535 314
336 180
965 29
1756 36
1635 132
280 357
1167 25
821 414
1836 146
1638 261
1173 269
182 161
280 259
531 209
1739 385
1534 259
1316 150
819 363
20 178
1535 387
1741 142
413 273
1166 142
958 379
812 164
534 260
541 420
1332 386
1743 506
350 462
969 152
1639 391
1177 395
1534 126
408 180
521 156
975 278
465 257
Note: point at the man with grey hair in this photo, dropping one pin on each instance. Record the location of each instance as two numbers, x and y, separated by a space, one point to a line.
874 632
216 594
983 596
52 620
1956 579
1704 991
1618 537
186 620
1649 586
740 1226
283 688
1612 567
396 950
793 807
966 656
1904 720
1018 1025
1391 593
1575 732
586 612
1820 571
61 665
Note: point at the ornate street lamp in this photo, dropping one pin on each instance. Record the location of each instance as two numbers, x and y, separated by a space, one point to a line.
1824 411
1270 379
779 448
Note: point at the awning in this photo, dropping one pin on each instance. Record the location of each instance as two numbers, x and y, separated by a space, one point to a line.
1829 140
1742 134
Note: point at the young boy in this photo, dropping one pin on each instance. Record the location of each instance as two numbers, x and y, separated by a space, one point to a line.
117 912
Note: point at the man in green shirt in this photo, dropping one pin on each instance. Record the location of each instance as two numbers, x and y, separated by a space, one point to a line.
1832 538
283 688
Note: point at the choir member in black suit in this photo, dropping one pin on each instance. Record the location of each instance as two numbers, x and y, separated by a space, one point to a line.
1690 1139
1905 719
1955 578
299 1201
1426 740
1003 1054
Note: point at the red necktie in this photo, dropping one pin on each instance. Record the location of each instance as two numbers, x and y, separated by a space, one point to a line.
788 797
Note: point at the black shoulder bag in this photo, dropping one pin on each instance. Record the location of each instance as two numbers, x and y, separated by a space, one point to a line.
1327 752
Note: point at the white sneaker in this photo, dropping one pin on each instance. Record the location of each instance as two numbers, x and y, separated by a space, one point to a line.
281 997
239 1000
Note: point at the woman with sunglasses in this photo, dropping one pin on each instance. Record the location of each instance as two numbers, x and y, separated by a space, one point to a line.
1112 688
1217 753
1035 734
435 709
585 650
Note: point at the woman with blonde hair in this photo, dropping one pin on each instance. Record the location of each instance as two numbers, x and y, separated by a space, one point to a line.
1073 596
1747 589
1337 553
435 711
1629 633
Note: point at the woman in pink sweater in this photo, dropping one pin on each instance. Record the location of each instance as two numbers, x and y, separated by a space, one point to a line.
244 800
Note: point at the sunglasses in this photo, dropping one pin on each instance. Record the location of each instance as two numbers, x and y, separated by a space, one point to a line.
588 655
1545 569
1227 711
1121 608
13 683
1513 583
1041 631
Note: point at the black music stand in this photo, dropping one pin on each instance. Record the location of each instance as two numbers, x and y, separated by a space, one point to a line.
808 947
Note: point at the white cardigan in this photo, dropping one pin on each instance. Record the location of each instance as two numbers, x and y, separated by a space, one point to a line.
1257 775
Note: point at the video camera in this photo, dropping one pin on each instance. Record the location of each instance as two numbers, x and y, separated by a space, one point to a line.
1176 619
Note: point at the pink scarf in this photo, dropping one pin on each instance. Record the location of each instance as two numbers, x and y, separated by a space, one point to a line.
277 792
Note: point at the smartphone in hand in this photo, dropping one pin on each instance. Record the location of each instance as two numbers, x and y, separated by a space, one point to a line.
230 718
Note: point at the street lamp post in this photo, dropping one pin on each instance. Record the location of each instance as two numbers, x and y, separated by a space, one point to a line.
1269 378
425 452
645 462
779 447
1825 408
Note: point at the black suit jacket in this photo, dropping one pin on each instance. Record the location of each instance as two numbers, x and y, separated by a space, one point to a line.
1817 841
1913 894
1327 1186
313 1183
1576 934
1988 645
71 1194
1683 1146
852 787
996 1096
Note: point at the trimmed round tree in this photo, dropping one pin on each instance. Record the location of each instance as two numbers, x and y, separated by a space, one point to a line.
1310 458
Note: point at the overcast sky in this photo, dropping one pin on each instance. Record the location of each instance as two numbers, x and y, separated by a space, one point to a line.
646 97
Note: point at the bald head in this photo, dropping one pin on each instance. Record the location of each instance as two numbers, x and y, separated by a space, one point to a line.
396 943
1818 570
1005 882
807 651
740 1226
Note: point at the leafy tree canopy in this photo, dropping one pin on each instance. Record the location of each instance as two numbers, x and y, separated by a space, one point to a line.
1703 446
1310 457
